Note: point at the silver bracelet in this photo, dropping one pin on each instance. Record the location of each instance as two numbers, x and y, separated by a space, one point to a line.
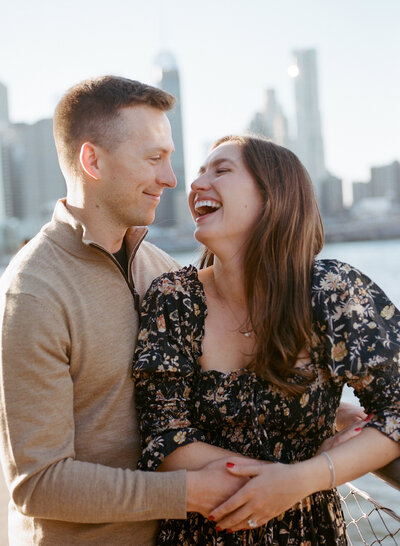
331 468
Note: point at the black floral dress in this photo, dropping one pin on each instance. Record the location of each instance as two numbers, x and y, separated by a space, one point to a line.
356 340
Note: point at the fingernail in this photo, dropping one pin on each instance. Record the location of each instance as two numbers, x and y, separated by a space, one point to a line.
229 531
357 429
368 418
218 529
230 465
211 518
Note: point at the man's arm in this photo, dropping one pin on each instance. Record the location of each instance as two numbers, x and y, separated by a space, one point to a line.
38 432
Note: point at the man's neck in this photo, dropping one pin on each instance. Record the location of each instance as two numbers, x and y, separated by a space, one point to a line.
98 230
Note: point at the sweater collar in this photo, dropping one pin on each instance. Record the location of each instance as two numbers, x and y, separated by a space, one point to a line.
69 233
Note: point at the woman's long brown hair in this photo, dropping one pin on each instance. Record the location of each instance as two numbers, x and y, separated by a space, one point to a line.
278 260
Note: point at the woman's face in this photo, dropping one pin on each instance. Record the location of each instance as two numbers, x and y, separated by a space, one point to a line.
225 201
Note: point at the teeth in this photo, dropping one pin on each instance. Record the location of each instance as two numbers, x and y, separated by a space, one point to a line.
212 204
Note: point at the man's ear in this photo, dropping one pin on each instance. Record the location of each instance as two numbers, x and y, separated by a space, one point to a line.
88 159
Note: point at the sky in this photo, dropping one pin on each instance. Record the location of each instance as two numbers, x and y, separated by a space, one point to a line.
228 53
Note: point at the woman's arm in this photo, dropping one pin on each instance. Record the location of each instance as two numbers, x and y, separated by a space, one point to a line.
195 456
277 487
350 420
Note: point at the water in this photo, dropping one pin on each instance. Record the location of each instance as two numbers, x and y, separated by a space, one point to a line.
380 260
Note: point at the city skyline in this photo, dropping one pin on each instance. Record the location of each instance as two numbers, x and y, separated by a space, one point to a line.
228 55
31 180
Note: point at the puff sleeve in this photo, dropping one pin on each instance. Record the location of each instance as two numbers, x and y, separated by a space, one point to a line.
165 366
360 327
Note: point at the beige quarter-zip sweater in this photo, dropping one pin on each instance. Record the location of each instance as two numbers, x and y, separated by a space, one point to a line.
70 443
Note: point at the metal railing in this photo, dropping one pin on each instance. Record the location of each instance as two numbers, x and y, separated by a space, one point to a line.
369 522
390 473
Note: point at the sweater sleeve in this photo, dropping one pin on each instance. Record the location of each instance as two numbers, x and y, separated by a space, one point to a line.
165 369
361 328
37 425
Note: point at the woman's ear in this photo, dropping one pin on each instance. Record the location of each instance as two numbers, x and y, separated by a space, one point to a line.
88 159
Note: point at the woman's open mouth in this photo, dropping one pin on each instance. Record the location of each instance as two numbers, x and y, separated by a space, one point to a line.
206 207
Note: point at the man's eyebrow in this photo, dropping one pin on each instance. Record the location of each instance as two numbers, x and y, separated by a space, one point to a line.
216 162
160 149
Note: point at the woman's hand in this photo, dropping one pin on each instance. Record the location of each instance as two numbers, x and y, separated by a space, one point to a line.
272 489
347 414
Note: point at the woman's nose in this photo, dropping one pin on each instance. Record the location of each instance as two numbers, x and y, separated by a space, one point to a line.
200 183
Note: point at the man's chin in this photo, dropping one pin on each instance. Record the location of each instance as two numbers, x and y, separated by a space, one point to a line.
145 220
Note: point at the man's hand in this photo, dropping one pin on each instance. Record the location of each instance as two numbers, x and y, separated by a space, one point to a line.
348 414
212 485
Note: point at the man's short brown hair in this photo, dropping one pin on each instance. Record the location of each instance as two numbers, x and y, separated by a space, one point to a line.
89 112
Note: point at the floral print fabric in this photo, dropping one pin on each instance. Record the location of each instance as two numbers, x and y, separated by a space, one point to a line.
356 340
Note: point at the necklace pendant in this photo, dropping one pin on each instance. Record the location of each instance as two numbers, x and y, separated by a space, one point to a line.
247 334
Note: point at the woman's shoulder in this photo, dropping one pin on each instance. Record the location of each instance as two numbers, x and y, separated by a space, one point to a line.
182 282
331 266
335 284
172 322
360 325
331 275
341 290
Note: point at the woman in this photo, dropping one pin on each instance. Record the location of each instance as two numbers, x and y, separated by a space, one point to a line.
251 352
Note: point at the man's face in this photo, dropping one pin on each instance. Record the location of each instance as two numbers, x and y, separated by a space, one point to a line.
135 172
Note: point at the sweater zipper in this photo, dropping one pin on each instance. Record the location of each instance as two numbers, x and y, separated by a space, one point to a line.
129 281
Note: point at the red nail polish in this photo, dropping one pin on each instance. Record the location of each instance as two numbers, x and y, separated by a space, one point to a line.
357 429
229 531
211 518
368 418
230 465
218 529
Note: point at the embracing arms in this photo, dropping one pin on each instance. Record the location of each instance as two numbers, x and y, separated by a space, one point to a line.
206 464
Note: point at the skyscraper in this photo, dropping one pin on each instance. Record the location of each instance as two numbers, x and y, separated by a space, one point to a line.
30 179
3 105
271 121
309 144
172 210
5 177
385 181
37 178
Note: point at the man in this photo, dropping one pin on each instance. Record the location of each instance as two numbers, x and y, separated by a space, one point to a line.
69 307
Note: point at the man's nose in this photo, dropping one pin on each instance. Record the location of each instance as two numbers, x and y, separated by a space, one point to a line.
167 176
